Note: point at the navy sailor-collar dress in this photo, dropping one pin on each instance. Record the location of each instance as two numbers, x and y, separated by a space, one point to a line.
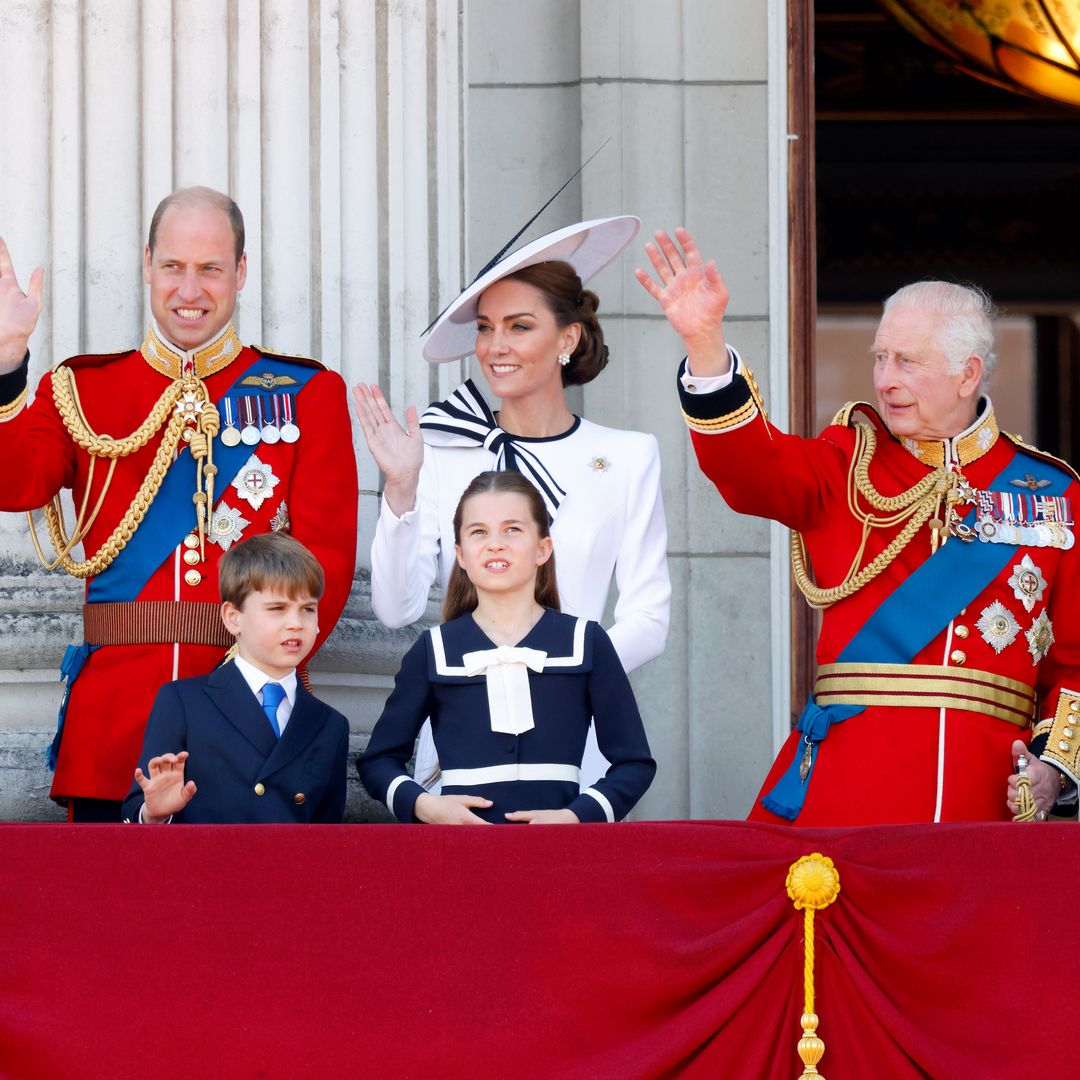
532 762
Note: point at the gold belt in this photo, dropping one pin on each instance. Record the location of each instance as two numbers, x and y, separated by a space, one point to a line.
155 622
926 686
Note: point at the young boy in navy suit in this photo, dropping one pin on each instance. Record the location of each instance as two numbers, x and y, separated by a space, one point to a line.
247 743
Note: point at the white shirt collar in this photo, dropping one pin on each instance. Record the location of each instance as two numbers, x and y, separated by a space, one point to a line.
257 679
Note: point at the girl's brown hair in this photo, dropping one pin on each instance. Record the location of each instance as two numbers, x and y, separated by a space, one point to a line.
570 303
460 596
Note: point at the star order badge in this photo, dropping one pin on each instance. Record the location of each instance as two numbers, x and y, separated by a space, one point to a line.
227 526
1028 584
998 626
1040 637
255 482
280 521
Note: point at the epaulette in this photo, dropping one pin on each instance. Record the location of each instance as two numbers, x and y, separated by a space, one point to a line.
91 359
274 355
848 415
1042 454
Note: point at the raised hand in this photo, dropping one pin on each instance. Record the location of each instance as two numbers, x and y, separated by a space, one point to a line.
449 809
18 311
693 296
397 450
164 790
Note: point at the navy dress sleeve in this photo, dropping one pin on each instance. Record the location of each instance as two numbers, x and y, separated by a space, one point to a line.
382 766
620 734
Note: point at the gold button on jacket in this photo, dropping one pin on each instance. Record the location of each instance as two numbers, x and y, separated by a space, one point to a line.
260 789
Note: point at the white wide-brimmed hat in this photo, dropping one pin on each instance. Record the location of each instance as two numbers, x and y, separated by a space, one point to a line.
587 246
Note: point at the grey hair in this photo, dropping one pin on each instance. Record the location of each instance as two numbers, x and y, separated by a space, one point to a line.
201 196
965 327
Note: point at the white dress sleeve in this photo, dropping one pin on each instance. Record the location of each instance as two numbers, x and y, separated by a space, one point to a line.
404 555
643 609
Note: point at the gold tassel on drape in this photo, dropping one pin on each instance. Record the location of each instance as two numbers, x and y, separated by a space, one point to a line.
812 883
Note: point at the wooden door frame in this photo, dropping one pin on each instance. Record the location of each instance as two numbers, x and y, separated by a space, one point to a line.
802 297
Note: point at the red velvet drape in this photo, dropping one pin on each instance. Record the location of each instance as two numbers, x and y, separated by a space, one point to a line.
627 951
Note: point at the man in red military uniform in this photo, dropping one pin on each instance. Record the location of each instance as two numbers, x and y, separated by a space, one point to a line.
173 451
943 552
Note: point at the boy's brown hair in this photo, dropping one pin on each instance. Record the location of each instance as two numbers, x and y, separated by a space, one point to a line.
269 561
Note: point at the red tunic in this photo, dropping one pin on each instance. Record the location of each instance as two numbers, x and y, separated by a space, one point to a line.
111 699
893 764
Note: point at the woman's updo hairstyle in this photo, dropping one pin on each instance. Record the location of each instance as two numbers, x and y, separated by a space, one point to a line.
570 303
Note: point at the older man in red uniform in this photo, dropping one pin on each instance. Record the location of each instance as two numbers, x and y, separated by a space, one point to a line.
944 558
173 451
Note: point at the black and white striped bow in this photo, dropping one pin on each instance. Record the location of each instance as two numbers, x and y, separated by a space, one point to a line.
464 419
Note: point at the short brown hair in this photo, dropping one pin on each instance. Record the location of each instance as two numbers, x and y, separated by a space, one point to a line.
460 597
269 561
200 196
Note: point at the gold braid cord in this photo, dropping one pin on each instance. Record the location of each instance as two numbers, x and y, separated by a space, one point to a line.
813 883
184 402
1026 807
917 506
12 407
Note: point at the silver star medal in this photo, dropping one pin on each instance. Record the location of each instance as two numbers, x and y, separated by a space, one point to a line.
280 521
1040 637
1028 584
255 482
226 526
998 626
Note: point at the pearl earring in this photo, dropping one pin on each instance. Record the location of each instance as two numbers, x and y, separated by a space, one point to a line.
564 358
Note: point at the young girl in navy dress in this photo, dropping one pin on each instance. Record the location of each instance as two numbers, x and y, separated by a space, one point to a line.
510 684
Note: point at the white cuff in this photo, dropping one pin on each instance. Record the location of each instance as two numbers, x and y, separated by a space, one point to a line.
707 384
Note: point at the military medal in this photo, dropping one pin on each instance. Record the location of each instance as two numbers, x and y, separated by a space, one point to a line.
1027 583
998 626
250 433
255 482
289 431
271 432
1027 520
226 526
280 521
1040 637
230 436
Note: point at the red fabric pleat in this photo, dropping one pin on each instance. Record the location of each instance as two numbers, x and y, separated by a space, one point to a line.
629 951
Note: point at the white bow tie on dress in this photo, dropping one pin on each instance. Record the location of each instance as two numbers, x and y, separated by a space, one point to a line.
509 700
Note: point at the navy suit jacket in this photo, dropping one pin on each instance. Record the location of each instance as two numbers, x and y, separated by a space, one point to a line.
244 773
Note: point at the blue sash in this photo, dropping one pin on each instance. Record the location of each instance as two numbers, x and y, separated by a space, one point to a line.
172 515
906 622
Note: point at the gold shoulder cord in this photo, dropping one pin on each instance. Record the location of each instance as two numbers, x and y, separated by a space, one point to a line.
917 505
184 403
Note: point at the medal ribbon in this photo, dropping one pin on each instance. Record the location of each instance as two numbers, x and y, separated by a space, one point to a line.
916 611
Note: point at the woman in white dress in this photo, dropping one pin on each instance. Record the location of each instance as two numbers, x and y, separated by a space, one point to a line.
534 330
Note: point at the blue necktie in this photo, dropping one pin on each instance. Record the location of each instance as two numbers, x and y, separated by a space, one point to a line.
272 695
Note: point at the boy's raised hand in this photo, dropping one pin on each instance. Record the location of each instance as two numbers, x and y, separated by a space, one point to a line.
164 790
